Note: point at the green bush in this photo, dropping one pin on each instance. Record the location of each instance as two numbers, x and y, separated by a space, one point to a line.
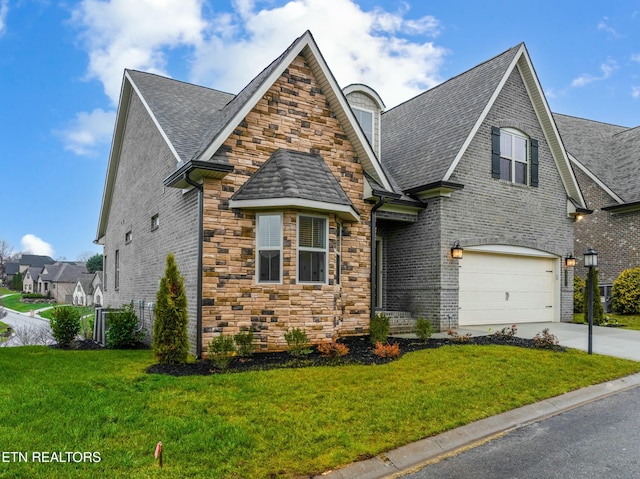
625 295
244 343
297 342
170 342
423 329
221 351
32 296
122 328
65 325
379 328
598 310
579 286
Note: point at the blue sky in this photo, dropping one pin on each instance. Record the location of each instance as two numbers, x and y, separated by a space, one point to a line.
61 67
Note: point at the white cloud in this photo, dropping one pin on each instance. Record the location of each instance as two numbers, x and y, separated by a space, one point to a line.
635 57
88 131
121 34
231 47
635 91
359 46
607 70
32 244
4 10
604 26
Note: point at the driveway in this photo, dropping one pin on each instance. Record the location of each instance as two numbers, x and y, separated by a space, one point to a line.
619 342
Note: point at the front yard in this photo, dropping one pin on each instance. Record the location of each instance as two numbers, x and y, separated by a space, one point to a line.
627 321
13 302
280 423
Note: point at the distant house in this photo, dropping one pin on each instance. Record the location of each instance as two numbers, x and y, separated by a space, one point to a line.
30 279
25 262
606 161
88 290
59 280
296 204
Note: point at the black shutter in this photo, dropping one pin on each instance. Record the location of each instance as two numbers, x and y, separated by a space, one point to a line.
495 152
534 162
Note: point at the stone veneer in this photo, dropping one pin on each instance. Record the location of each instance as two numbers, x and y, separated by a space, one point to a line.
294 114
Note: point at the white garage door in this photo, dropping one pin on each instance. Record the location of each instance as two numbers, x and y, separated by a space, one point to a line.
505 289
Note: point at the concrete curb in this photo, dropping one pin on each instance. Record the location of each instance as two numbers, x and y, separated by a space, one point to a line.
414 456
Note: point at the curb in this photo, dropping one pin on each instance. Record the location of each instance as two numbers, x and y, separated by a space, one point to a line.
412 457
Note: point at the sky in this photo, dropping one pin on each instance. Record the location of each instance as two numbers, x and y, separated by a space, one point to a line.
62 62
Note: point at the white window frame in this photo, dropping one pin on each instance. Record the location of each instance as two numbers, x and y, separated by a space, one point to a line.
513 133
338 272
258 248
357 109
324 250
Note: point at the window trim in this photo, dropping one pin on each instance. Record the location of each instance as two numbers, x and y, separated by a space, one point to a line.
155 222
514 133
338 252
116 281
258 249
128 237
325 250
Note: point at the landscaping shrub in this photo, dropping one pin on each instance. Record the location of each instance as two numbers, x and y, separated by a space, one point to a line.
170 342
423 329
65 325
506 333
32 296
379 328
221 351
122 328
244 343
579 286
333 350
457 337
598 310
545 340
626 292
297 342
387 350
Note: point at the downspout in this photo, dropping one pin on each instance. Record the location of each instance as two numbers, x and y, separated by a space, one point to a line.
374 256
200 189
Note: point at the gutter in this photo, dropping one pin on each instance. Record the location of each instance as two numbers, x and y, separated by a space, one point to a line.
374 256
200 188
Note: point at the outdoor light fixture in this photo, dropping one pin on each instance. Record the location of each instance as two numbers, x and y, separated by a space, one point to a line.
456 251
570 261
590 261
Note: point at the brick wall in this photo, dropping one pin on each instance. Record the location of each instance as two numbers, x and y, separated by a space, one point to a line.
294 114
615 236
145 161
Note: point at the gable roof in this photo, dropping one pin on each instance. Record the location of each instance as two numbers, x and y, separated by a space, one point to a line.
609 154
424 138
293 178
36 260
63 272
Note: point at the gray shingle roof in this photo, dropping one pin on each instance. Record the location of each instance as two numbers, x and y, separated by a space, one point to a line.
293 174
63 272
421 137
610 152
184 111
35 260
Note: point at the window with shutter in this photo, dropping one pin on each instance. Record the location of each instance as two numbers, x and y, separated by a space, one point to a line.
514 157
312 249
269 248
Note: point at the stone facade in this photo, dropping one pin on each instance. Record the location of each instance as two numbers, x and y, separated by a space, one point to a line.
615 236
294 114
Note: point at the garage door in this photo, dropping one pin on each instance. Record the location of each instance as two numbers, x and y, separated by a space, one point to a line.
505 289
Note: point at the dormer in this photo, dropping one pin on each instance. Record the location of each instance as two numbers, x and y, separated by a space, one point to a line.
367 107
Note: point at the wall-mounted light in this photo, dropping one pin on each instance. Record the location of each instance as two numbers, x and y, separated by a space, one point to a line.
579 216
456 251
570 261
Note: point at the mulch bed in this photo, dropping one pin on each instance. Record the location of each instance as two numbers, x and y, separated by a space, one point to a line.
360 352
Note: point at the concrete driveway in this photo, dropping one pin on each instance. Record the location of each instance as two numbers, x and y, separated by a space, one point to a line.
619 342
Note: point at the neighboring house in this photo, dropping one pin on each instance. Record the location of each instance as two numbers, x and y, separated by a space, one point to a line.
88 290
30 279
26 261
59 280
606 161
296 204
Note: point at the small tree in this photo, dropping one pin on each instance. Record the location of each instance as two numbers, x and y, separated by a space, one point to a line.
625 295
598 310
65 324
94 263
578 294
16 282
170 342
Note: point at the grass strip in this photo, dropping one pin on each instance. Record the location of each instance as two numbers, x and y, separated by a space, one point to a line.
278 423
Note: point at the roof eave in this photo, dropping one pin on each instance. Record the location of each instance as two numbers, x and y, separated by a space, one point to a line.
623 208
345 212
196 170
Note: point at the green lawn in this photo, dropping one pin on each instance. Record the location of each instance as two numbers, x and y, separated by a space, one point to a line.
280 423
13 302
84 311
627 321
4 291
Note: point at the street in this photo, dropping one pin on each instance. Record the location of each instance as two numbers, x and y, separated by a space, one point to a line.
26 327
599 439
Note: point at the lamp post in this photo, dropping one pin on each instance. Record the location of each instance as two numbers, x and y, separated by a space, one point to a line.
590 261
